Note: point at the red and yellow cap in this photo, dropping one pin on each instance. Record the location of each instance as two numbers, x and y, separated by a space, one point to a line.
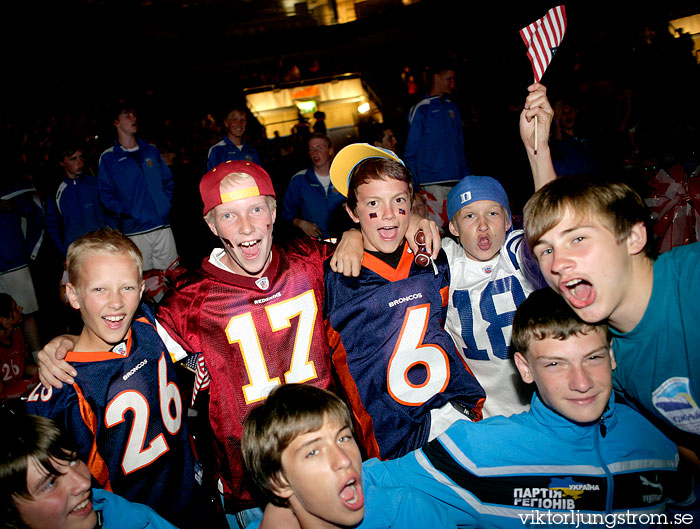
210 186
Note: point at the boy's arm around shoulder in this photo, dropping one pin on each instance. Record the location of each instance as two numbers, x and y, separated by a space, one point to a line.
54 371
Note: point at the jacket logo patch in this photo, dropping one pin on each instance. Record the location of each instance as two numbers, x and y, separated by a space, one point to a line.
675 402
149 162
657 495
561 494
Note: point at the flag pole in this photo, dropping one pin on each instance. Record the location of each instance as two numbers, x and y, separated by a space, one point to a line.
535 135
535 130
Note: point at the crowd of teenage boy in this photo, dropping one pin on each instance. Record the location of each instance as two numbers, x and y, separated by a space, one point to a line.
419 354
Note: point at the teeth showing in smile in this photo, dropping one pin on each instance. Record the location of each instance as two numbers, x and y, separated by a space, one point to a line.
114 319
81 505
249 244
573 283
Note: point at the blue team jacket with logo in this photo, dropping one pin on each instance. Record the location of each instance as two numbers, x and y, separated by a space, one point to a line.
136 187
503 471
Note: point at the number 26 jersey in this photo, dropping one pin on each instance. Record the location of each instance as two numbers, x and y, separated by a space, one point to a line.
125 414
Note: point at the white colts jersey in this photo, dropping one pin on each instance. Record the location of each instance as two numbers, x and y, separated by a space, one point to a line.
483 299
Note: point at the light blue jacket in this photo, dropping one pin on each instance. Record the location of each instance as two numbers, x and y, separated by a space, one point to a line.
503 471
118 513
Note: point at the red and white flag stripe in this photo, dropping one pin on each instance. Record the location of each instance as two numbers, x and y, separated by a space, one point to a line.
542 37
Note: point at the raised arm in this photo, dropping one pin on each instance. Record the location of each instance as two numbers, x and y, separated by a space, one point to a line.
537 104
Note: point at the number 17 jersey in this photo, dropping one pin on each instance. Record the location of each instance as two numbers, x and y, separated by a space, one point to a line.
254 334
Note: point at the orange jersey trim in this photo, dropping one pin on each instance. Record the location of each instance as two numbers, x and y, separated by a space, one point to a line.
97 356
363 420
382 269
98 467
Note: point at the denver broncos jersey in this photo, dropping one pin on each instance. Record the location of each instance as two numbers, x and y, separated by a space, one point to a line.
254 334
125 414
482 302
393 358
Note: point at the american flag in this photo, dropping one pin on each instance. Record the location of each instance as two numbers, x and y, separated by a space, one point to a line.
542 39
202 379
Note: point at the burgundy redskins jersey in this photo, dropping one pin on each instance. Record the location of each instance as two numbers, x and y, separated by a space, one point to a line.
254 334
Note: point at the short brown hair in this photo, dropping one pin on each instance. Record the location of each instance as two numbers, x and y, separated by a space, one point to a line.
104 240
545 314
320 136
29 437
615 204
376 169
290 410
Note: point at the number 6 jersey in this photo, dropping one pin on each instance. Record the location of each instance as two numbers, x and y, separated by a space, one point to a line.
125 414
394 360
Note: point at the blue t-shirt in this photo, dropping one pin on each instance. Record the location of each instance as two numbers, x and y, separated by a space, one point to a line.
658 362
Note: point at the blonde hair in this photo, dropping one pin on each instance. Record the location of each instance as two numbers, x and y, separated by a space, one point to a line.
104 240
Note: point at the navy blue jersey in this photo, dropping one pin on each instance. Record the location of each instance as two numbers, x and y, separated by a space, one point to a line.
125 414
394 360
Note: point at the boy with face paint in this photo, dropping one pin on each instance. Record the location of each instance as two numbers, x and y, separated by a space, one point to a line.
491 273
253 311
399 369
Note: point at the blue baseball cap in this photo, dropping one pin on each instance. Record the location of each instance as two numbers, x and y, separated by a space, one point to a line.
473 188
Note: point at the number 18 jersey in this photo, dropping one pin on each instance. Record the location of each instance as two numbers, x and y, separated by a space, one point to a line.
482 303
393 358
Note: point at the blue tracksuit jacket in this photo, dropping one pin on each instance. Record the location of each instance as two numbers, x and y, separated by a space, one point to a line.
76 210
435 144
136 188
225 150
